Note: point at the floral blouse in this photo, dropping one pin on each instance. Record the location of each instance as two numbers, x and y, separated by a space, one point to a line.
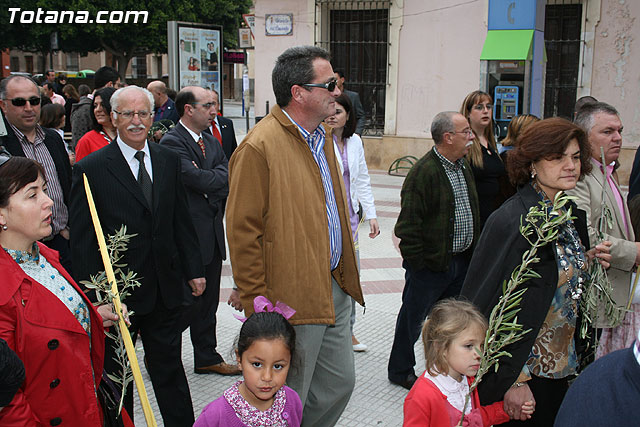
554 354
251 415
38 268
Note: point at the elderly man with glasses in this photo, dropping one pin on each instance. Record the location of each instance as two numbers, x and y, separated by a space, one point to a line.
438 224
20 103
288 229
138 184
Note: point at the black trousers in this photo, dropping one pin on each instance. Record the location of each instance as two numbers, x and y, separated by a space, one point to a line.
422 290
203 321
162 339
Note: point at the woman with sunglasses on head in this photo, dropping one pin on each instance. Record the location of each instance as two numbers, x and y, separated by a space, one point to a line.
44 316
350 154
103 131
483 156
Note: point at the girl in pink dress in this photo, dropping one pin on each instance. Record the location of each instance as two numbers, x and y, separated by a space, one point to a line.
265 349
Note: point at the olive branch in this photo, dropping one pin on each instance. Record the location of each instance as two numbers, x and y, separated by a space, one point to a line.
540 227
116 246
598 288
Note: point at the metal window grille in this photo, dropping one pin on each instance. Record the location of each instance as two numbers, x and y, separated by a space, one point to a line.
562 41
357 33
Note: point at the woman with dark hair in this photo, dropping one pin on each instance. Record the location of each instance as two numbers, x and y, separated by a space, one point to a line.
45 318
71 96
483 155
350 154
551 156
103 130
52 116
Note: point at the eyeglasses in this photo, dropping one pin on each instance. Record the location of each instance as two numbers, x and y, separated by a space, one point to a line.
480 107
467 132
128 115
21 102
331 86
4 155
206 105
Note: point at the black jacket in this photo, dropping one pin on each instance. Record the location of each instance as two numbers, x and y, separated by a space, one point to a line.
496 255
165 250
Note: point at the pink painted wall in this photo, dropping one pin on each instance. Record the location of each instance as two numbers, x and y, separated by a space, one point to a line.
439 60
616 69
268 48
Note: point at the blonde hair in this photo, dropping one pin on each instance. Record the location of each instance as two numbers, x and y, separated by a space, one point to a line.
447 320
475 151
516 126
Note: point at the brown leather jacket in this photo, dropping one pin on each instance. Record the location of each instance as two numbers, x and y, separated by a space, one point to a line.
277 223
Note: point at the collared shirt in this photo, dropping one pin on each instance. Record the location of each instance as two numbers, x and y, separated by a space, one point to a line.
463 224
316 142
636 348
616 193
39 152
195 136
129 154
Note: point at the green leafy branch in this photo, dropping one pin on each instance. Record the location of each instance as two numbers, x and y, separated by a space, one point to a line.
116 246
598 288
540 227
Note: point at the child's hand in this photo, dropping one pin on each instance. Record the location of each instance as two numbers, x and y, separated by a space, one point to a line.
527 409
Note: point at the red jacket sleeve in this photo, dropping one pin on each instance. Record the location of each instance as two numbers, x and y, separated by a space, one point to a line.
425 406
491 414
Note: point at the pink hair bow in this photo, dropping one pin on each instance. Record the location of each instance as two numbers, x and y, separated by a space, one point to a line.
262 305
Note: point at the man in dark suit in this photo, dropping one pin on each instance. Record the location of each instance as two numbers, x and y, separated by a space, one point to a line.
20 102
139 185
222 129
205 176
355 101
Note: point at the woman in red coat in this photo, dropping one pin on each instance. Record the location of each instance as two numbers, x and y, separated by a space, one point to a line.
44 316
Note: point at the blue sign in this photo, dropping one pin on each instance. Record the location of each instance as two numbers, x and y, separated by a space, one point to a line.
512 14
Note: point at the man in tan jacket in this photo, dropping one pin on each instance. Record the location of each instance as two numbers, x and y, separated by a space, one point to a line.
602 124
288 229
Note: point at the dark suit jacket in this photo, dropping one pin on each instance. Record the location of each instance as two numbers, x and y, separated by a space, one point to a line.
56 148
164 251
357 107
207 186
169 112
228 134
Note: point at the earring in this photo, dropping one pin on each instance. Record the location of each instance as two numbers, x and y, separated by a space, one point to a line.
4 227
533 172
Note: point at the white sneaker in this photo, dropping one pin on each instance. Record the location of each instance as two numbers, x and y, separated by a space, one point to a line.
359 348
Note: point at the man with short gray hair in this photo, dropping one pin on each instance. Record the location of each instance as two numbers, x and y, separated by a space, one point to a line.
288 229
437 227
603 126
139 184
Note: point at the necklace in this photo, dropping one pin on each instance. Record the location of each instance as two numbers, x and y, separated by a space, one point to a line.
577 288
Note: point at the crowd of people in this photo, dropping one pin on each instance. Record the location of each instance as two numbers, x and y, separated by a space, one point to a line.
168 167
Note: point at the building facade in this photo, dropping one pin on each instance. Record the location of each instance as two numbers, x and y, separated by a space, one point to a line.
411 59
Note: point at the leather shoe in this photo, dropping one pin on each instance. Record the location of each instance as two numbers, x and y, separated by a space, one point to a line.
407 382
222 368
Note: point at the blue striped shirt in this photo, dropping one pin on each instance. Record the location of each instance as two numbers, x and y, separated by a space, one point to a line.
316 142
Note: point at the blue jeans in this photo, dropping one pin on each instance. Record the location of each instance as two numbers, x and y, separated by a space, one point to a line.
422 289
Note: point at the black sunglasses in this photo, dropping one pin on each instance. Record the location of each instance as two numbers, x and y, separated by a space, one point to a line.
21 102
331 86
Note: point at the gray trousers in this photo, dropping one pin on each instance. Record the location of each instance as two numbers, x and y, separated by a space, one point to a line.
324 373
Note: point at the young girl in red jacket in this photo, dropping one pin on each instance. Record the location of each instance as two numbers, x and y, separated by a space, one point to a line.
452 337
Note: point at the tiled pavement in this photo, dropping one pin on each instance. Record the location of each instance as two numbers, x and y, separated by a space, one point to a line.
375 401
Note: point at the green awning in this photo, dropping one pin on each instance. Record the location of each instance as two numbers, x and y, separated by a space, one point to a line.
508 45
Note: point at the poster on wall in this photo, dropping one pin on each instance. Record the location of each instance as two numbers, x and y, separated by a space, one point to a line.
195 55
